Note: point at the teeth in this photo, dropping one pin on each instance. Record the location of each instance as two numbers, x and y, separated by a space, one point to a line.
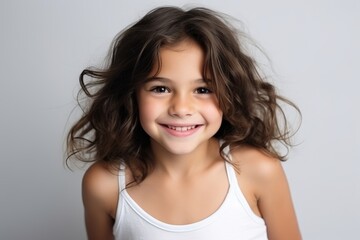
181 129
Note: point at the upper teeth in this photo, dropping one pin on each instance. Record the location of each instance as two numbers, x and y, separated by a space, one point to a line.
181 129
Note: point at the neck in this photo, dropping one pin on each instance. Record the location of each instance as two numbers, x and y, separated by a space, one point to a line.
185 165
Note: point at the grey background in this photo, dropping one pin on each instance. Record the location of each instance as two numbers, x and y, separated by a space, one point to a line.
314 48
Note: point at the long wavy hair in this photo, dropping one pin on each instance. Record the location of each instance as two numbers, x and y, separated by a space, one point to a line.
109 129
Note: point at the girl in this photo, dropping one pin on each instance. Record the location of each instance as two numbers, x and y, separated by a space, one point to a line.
181 129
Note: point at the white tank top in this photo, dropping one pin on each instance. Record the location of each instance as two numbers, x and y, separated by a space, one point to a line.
234 219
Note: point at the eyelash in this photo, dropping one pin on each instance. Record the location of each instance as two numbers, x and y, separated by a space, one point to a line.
203 90
163 89
160 89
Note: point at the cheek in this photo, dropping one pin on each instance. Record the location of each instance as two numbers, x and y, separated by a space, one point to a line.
213 113
144 111
148 110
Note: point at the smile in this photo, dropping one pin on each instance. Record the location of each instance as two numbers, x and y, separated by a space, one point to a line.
181 129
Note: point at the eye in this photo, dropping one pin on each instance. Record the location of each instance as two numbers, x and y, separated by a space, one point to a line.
203 90
160 89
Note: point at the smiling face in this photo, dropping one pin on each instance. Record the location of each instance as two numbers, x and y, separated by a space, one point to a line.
176 107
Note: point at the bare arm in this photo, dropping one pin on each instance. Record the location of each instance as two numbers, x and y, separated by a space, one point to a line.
275 203
98 189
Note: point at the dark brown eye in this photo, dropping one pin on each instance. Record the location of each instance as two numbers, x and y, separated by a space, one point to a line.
203 90
160 89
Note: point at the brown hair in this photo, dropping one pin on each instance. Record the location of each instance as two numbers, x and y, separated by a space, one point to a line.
109 129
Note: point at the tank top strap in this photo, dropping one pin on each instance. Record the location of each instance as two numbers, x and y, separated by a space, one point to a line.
120 204
121 178
229 168
235 187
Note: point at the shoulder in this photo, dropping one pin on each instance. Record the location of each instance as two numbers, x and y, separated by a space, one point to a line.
100 185
100 197
99 177
258 172
256 164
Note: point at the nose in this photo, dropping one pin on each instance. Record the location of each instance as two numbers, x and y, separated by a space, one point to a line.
181 106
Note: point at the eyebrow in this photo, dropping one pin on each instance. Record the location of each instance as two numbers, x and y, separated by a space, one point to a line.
166 80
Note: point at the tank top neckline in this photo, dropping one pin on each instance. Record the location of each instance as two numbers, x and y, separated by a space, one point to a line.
177 227
182 227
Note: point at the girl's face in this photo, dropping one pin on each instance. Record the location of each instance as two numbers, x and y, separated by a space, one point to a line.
176 107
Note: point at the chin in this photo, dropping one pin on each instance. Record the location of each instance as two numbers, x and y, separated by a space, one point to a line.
178 148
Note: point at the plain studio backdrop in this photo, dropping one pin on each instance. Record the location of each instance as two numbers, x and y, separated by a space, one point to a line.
44 45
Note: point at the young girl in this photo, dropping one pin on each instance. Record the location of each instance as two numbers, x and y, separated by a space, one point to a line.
181 129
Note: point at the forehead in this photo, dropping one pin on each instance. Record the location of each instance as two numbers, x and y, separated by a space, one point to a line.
181 58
